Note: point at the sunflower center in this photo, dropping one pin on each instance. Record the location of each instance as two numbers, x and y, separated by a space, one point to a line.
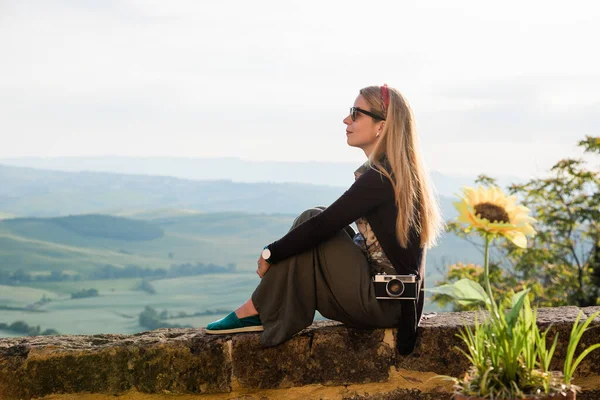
492 212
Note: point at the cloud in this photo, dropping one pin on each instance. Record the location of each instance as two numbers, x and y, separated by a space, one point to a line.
148 77
517 110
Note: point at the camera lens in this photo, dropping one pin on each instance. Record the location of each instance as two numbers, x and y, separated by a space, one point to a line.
394 287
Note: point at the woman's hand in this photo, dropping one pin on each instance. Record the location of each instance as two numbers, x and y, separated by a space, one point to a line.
263 266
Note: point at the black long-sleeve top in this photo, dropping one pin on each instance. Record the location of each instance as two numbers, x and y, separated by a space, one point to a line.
370 196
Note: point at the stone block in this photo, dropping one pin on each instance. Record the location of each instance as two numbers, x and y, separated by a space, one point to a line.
40 371
155 362
331 355
437 343
341 356
285 365
200 365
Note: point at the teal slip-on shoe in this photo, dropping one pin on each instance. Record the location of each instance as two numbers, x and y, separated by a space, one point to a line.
232 324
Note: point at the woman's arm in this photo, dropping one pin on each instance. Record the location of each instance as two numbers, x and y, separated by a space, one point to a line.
369 191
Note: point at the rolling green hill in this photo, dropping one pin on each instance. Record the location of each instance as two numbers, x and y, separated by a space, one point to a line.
92 226
79 244
75 244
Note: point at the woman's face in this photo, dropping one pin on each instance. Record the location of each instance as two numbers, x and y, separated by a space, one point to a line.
362 132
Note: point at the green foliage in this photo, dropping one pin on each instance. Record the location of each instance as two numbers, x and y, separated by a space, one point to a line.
174 271
576 334
508 355
485 180
21 277
561 265
151 319
590 144
84 293
567 207
467 292
500 281
145 286
26 330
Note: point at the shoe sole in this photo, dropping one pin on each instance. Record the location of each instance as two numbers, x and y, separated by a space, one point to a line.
236 330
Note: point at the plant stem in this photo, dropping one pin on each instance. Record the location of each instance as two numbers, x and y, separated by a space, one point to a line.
486 275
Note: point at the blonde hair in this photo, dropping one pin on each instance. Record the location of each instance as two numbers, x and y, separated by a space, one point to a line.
398 141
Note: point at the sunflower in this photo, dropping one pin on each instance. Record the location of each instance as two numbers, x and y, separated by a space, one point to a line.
490 211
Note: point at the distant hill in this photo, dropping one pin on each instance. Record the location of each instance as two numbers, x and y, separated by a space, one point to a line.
31 192
232 169
6 216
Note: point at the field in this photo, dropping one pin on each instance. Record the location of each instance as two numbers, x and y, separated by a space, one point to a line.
117 308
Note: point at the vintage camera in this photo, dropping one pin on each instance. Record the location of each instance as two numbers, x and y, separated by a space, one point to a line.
395 287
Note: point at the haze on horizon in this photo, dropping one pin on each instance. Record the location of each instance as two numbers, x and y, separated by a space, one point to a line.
503 90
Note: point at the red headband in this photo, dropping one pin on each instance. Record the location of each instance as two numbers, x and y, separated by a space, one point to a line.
385 96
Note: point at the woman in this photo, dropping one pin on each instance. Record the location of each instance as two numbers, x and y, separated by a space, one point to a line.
321 265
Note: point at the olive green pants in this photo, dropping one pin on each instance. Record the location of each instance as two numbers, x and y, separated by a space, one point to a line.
333 278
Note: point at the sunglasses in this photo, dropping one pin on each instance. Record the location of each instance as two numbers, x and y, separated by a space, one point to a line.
355 110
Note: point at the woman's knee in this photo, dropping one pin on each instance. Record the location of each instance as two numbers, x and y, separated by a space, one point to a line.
307 214
311 212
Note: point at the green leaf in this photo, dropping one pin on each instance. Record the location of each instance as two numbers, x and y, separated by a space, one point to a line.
576 334
517 304
584 355
464 290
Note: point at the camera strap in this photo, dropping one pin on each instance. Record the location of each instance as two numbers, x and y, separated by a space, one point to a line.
407 330
409 324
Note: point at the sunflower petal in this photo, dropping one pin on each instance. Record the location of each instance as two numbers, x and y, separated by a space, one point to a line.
470 195
518 238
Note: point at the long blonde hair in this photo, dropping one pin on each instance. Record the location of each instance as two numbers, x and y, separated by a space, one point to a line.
398 141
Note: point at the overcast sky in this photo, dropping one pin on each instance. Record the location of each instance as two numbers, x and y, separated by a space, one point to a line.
497 87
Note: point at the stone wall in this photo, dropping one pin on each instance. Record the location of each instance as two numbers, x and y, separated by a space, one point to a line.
327 361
